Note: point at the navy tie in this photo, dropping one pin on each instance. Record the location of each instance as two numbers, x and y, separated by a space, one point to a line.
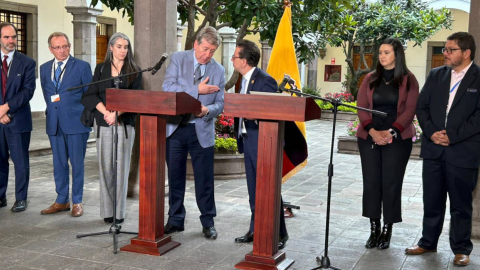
58 72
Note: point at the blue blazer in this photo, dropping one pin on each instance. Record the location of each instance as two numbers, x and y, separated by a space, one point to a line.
20 88
261 82
68 110
179 78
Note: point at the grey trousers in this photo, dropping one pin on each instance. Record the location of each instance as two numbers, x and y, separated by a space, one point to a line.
105 149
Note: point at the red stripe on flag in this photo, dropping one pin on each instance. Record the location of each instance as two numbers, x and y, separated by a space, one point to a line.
287 165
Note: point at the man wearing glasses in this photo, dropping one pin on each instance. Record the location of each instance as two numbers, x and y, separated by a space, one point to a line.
197 74
68 136
18 86
448 111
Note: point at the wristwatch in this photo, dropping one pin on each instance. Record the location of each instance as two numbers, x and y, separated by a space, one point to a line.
393 132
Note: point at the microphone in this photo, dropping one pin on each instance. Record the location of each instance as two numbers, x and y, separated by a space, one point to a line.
160 63
285 80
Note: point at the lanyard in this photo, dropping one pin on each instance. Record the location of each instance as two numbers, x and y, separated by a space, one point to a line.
57 82
455 86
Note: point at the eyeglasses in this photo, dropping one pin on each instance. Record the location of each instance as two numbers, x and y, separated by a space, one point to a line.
449 51
60 47
233 57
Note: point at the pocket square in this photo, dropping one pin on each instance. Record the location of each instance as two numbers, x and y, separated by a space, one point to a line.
472 90
18 75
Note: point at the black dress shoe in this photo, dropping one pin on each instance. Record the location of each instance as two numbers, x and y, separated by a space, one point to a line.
119 221
108 220
283 241
210 232
169 228
19 206
3 202
384 239
247 238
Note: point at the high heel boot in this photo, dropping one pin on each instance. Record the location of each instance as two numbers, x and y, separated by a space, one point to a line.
384 239
374 233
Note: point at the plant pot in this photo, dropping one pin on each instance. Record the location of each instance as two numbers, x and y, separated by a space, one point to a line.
225 167
341 116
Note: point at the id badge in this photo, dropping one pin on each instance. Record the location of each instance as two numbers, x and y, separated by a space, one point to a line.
55 98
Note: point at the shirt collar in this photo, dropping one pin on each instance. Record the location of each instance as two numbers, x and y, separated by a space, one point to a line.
248 75
462 72
64 62
10 55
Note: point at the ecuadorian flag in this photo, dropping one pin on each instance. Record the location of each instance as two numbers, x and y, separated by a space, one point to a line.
283 60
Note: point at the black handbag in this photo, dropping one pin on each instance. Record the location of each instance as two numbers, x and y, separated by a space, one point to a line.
87 117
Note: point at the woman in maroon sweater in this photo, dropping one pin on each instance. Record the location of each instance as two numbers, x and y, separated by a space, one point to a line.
385 143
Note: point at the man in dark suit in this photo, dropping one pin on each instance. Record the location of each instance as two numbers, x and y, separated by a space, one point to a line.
197 74
245 61
448 110
18 86
68 136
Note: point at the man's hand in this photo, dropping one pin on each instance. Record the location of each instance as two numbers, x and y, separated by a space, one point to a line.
3 110
203 112
5 119
440 138
205 89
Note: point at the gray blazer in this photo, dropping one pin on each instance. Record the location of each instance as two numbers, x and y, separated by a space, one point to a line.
179 78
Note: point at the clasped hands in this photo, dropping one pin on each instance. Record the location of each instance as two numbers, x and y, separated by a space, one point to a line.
4 119
109 117
380 137
440 138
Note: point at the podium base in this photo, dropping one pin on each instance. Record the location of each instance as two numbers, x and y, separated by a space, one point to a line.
276 262
157 248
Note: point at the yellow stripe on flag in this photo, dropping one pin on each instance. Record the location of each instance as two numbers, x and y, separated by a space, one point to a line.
283 60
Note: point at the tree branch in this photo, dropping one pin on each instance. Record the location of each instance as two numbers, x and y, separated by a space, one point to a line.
223 25
199 9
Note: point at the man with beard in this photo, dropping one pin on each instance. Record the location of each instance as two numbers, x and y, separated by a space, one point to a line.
448 110
18 85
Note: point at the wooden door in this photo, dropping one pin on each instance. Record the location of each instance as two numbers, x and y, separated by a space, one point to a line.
102 42
356 59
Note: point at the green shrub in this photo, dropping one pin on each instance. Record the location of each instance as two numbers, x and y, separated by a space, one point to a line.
311 91
225 146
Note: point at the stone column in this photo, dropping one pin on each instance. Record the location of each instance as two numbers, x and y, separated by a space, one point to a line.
312 73
155 34
180 28
266 51
229 42
84 30
474 29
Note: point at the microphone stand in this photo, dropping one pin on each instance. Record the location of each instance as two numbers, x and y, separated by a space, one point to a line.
324 261
115 229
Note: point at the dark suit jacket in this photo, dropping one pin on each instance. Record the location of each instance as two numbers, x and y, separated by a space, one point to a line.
68 110
261 82
407 100
96 93
463 124
20 89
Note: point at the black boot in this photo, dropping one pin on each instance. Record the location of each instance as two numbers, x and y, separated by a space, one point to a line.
384 240
374 233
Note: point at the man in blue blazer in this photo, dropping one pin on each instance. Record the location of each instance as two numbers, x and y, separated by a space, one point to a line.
197 74
18 86
245 61
68 136
448 111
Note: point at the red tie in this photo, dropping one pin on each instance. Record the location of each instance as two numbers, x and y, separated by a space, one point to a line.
4 76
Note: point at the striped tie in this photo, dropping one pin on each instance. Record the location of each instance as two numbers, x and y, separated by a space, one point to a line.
58 72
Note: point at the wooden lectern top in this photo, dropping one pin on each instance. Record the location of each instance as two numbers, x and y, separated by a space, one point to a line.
151 102
269 107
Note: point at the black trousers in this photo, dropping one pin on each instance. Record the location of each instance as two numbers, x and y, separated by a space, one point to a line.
439 179
383 169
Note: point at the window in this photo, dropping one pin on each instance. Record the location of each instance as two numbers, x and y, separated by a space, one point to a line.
20 22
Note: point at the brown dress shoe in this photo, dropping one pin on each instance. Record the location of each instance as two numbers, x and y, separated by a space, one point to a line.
77 210
55 208
461 259
416 250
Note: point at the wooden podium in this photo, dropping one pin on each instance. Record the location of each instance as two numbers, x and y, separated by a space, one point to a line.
272 111
153 107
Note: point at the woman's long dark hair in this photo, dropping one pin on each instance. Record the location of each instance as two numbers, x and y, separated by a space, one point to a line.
400 66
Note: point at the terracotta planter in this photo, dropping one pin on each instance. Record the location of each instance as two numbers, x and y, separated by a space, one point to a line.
348 145
225 166
341 116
